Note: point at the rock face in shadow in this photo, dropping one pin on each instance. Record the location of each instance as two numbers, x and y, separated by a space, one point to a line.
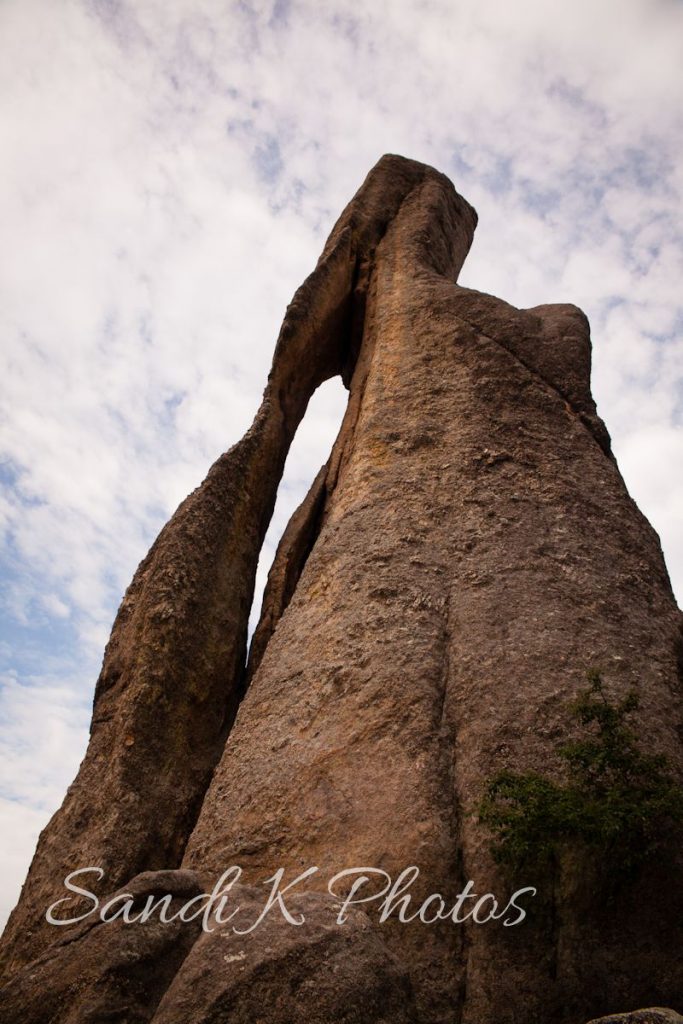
281 973
466 554
108 971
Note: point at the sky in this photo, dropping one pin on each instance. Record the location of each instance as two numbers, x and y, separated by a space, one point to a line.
169 170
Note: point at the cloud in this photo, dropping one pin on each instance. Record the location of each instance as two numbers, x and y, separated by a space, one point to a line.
44 732
169 174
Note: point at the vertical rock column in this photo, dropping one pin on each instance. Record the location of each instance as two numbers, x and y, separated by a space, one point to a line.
553 572
173 670
340 755
468 554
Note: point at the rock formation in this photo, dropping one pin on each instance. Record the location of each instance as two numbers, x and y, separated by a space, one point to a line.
466 554
653 1015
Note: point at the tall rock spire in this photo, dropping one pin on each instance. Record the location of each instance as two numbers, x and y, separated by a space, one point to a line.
466 554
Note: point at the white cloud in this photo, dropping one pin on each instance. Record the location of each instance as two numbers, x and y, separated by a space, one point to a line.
169 172
44 732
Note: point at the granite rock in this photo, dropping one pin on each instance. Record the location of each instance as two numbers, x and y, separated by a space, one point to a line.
319 972
467 553
653 1015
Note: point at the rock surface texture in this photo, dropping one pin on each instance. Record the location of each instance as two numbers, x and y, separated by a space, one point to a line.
653 1015
466 554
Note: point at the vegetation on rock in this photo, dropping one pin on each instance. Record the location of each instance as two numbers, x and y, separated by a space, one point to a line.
619 804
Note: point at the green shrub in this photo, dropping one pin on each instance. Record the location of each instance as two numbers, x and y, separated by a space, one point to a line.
616 803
